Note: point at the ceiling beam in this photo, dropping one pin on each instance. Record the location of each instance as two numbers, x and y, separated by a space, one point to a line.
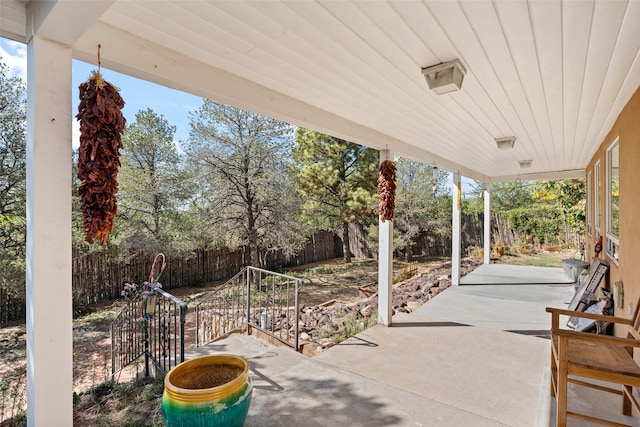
566 174
63 21
13 20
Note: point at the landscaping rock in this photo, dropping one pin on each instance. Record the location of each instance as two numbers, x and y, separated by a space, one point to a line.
366 311
328 318
326 342
414 305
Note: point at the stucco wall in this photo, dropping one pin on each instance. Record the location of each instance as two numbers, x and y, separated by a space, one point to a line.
627 128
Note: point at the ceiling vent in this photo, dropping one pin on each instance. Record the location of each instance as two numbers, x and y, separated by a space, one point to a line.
506 143
525 164
446 77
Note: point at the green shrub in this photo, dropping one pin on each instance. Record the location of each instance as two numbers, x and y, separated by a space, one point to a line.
320 270
354 325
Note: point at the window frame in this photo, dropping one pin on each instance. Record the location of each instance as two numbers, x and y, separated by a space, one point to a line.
589 203
613 240
596 199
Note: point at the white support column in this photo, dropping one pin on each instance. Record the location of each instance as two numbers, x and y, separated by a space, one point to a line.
487 222
49 304
385 262
455 230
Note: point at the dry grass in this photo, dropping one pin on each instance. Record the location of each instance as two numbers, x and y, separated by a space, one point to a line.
538 259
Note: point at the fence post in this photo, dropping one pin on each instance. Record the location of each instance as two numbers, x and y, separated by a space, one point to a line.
113 353
197 325
297 313
248 285
147 325
183 315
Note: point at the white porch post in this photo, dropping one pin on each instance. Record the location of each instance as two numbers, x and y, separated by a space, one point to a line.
455 230
487 222
49 305
385 262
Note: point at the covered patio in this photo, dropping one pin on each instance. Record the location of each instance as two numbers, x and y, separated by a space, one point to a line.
530 90
474 355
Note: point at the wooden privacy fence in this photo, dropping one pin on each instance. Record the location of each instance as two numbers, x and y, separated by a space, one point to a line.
100 276
12 306
500 228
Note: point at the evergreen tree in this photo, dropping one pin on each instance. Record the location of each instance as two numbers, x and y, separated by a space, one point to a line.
13 122
418 205
337 180
242 159
153 182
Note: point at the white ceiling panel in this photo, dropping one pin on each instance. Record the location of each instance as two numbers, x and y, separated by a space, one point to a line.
607 20
577 19
546 27
554 74
516 23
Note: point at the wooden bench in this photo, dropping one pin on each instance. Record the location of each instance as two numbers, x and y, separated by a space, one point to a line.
582 357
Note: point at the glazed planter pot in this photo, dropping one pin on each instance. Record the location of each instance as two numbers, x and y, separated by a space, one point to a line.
212 390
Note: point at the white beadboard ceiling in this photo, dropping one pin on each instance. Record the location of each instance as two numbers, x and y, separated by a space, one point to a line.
554 74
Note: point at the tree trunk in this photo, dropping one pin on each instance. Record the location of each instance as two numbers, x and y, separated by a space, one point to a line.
253 247
408 252
346 245
156 218
253 244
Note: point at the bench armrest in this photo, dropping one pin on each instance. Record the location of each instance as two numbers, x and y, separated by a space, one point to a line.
602 317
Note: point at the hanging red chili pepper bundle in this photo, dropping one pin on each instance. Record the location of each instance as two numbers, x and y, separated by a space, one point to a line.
387 190
101 126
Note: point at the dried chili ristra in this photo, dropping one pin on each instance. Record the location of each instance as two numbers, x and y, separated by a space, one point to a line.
387 190
101 126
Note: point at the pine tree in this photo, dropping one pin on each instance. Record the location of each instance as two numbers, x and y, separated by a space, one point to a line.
153 182
13 122
242 157
337 180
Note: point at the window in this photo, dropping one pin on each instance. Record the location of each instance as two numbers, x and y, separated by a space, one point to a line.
613 201
596 198
589 190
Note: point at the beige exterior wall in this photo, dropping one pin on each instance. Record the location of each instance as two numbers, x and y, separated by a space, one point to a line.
627 129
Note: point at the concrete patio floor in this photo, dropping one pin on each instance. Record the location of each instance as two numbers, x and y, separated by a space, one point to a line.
452 362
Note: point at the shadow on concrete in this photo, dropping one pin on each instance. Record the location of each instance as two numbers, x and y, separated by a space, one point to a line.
314 402
513 284
425 324
262 382
540 333
355 340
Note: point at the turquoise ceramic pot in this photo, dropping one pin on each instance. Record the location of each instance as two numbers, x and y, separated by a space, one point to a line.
188 401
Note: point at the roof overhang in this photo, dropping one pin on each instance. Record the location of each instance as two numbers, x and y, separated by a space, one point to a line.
553 74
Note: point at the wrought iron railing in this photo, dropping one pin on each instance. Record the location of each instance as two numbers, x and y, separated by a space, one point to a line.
127 336
152 327
165 331
253 298
223 311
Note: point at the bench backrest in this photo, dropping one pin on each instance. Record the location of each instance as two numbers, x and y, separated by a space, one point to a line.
634 329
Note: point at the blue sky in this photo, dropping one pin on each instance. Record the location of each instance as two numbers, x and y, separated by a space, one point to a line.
174 105
138 95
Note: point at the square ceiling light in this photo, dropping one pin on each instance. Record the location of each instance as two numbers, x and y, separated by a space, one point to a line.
506 143
524 164
446 77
